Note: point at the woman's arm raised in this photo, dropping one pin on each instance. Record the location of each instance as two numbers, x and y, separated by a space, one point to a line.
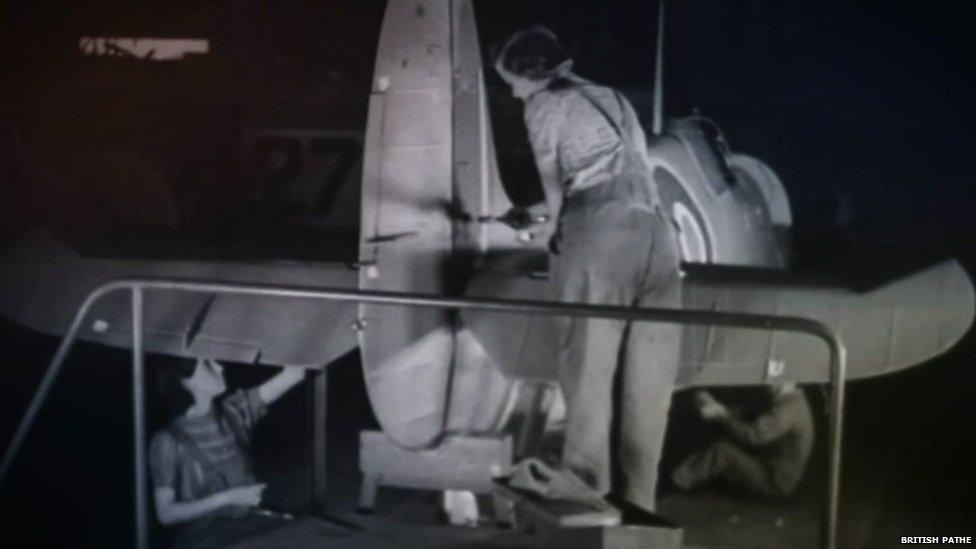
278 385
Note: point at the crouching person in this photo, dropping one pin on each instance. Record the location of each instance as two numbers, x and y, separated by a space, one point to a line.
767 456
204 485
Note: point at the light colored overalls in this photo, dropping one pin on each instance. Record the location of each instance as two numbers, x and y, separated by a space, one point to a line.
613 246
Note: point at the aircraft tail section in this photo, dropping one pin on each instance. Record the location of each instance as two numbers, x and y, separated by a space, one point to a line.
895 326
892 327
406 233
43 282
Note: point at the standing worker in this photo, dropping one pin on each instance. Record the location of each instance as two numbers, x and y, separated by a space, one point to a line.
767 456
613 246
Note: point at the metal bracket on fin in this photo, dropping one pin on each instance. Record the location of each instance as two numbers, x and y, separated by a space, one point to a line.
392 237
366 263
775 369
194 329
359 324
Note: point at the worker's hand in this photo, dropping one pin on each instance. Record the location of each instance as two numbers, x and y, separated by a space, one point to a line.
714 412
272 389
517 218
709 408
245 496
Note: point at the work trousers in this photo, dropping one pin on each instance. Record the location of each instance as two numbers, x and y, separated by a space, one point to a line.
611 252
740 470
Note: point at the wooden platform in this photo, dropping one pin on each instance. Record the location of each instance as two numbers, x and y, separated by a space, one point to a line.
564 524
458 463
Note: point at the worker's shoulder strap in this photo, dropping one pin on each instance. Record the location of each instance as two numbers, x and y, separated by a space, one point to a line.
581 88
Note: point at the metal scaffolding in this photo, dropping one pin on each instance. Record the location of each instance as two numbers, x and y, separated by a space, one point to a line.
138 287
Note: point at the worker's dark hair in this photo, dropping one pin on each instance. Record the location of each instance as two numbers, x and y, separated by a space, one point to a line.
176 398
533 52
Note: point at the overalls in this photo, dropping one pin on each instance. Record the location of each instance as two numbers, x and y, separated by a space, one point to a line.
614 246
767 456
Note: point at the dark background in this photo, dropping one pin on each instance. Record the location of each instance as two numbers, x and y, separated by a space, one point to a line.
863 109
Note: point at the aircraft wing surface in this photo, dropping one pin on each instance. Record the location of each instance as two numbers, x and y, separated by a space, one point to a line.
894 326
43 282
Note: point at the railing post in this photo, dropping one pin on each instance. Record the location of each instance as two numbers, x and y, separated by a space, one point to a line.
40 396
139 421
320 463
838 374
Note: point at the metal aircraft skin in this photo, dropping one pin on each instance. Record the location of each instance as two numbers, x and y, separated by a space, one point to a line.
430 174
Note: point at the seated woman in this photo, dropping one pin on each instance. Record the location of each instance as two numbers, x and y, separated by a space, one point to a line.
200 464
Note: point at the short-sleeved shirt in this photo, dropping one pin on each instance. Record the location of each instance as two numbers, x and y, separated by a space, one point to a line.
224 439
578 133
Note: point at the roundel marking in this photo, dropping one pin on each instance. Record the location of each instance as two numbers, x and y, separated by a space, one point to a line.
691 237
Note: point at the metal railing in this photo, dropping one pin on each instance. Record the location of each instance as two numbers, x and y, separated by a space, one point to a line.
838 358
